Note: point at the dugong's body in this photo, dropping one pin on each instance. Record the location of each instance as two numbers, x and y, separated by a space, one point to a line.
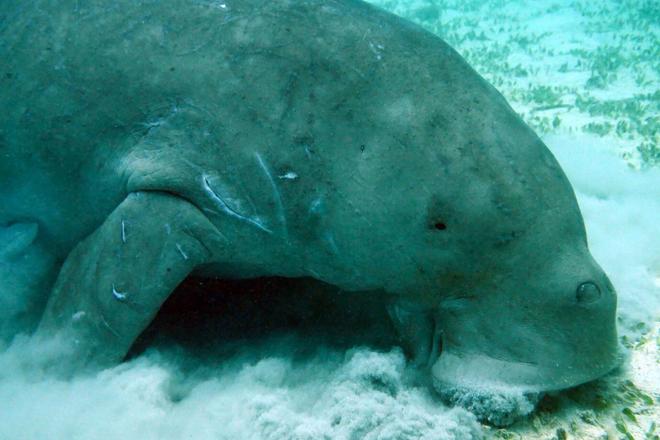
148 140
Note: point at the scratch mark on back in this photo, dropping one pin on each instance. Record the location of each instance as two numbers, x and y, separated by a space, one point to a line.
220 202
276 195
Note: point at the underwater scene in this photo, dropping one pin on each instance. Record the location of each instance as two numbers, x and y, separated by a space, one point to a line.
313 219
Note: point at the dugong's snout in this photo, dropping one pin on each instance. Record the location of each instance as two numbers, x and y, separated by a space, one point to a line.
532 345
521 338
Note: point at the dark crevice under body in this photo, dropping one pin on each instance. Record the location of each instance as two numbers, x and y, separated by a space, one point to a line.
218 316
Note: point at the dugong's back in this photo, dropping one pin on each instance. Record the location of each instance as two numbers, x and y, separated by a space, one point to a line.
87 83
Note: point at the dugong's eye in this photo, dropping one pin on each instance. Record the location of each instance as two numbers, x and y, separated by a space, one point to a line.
587 293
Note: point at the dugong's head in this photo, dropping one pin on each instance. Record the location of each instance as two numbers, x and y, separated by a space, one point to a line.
510 299
545 321
495 286
494 289
513 301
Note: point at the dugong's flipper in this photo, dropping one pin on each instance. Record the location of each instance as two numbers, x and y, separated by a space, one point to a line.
113 283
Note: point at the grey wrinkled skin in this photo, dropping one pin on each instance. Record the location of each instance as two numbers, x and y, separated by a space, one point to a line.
148 140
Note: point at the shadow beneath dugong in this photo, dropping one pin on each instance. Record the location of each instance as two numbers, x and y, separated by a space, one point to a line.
207 315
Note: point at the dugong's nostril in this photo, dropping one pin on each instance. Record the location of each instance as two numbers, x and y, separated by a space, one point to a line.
587 293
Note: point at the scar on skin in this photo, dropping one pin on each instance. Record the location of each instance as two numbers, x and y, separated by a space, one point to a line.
226 209
105 323
289 175
183 254
119 296
315 206
330 239
276 193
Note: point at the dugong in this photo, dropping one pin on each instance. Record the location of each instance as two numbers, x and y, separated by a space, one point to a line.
145 141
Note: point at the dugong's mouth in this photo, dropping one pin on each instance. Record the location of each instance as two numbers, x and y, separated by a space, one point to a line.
488 387
479 371
500 391
471 370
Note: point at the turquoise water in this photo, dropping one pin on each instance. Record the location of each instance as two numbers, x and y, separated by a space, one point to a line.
585 75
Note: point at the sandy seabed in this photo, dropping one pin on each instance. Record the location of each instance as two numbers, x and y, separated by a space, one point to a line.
585 76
